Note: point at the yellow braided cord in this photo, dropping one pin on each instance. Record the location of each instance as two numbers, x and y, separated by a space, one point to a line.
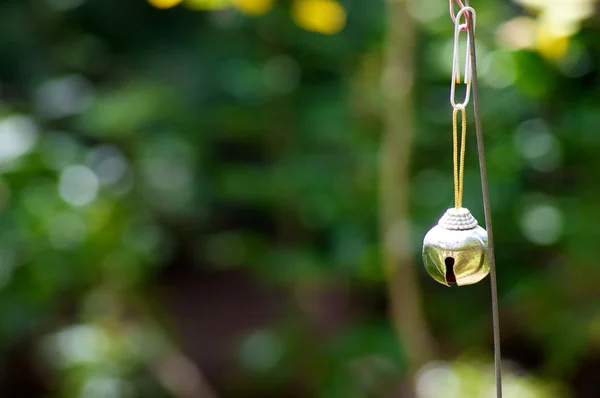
459 170
455 157
461 173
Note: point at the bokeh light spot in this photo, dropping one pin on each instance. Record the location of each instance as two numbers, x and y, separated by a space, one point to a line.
78 344
550 45
164 3
180 376
166 169
165 175
542 224
533 138
536 144
517 34
78 185
499 69
261 351
18 136
427 11
63 97
322 16
108 163
101 386
437 380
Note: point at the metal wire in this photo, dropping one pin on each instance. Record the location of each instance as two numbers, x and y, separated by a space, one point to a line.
460 7
488 214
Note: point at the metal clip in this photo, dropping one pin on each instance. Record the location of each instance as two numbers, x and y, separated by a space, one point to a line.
455 64
461 6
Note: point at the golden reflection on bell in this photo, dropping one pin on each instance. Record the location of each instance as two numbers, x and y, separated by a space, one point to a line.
455 250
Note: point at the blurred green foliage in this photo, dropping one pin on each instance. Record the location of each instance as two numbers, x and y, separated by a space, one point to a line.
136 141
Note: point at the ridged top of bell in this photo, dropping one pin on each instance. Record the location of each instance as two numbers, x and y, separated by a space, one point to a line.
457 219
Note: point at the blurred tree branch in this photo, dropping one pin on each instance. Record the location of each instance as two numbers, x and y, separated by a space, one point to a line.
397 83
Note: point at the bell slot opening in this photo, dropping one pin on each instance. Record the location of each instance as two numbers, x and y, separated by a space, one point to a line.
450 277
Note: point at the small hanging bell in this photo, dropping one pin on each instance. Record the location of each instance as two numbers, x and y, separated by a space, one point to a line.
455 250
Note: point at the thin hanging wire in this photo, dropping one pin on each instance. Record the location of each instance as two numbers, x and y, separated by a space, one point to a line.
486 209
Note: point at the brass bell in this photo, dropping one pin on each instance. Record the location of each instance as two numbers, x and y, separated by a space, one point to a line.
455 250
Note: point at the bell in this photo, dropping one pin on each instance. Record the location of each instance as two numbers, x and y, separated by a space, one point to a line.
455 250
